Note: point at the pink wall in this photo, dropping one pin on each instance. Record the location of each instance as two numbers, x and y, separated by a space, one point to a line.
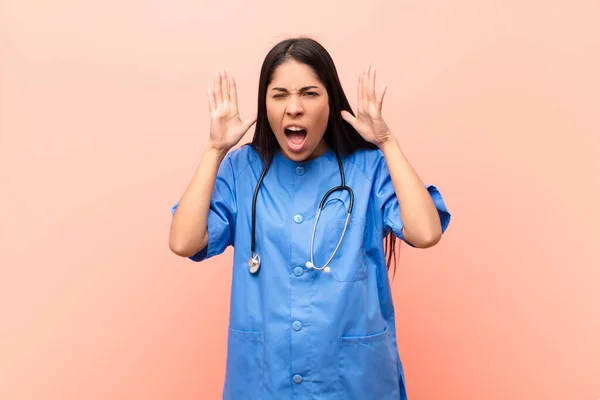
103 116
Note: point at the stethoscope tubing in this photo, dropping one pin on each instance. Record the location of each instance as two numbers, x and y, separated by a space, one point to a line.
254 261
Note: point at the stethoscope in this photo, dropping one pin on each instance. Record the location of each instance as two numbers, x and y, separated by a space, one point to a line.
254 261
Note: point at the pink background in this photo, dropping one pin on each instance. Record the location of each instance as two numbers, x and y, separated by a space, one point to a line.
103 117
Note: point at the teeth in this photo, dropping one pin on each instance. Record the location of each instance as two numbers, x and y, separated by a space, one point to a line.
295 128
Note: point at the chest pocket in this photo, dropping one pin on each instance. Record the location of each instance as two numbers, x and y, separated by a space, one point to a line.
348 264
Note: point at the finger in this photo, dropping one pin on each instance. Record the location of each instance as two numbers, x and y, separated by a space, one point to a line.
349 118
380 98
225 86
371 85
365 87
211 100
218 94
360 92
233 94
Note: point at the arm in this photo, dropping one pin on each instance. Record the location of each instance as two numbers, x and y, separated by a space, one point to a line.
421 220
188 233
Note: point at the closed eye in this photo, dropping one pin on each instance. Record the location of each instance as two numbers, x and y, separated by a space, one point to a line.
309 94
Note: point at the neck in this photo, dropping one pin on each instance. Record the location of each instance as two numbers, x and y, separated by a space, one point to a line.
319 151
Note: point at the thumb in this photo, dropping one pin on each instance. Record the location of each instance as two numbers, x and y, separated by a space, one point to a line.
349 118
248 123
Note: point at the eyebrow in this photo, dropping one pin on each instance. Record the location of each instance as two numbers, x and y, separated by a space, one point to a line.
305 88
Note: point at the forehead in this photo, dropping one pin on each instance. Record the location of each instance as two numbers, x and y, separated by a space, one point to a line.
294 75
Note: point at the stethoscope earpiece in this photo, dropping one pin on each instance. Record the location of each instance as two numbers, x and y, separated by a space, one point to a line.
310 265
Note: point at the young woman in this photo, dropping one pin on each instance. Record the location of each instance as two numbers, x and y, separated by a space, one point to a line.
310 205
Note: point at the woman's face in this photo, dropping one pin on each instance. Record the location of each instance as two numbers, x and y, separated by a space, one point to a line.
298 110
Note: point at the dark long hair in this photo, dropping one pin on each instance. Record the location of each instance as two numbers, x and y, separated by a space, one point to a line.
339 136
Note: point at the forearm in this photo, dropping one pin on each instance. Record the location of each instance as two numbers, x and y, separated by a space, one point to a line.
422 227
188 233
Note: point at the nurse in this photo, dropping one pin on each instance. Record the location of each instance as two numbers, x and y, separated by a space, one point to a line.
311 315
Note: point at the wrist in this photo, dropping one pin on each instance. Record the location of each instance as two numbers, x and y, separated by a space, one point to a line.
215 151
389 144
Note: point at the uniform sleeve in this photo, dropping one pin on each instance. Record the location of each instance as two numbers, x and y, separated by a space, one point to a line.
386 201
221 214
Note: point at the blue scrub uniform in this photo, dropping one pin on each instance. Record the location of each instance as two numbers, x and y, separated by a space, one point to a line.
298 333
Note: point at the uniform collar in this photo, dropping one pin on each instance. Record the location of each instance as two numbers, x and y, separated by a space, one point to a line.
283 160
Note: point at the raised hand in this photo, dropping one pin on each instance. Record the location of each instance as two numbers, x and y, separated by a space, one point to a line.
368 121
226 126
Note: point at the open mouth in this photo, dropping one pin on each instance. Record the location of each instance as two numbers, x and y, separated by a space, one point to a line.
296 137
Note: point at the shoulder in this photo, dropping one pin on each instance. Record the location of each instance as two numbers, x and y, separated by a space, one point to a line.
240 160
368 162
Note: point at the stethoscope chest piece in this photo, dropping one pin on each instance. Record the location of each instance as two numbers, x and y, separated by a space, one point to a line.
254 263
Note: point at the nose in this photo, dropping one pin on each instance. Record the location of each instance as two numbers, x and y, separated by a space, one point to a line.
294 106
